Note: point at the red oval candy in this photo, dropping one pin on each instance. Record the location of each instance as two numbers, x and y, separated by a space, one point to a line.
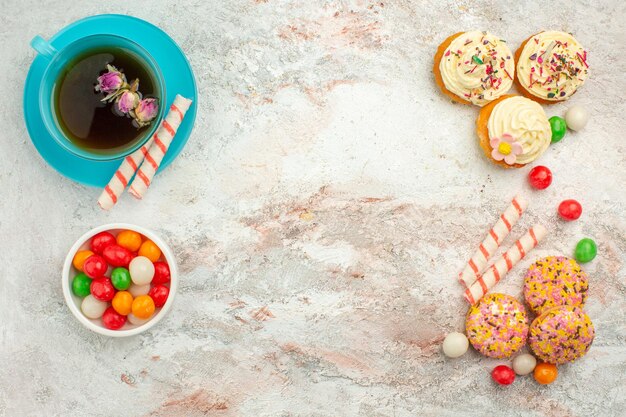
101 241
112 319
540 177
159 294
117 255
503 375
570 210
161 273
95 266
102 289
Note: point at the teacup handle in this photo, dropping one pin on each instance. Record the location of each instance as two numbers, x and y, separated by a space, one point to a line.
43 47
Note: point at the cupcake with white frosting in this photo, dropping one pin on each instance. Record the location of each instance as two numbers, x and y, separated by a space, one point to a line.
513 131
474 67
551 66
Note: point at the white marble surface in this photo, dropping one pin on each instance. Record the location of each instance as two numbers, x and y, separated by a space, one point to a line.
320 212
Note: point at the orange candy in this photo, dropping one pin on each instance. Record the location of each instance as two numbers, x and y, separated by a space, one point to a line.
80 257
143 307
545 373
129 239
122 302
150 250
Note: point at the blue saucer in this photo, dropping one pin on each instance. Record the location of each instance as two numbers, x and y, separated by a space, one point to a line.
177 73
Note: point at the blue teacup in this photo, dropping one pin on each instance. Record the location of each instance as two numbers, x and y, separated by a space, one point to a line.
59 59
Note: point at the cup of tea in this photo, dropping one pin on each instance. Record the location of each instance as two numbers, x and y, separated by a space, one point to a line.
88 118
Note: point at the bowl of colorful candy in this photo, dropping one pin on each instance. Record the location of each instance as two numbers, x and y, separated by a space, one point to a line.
119 279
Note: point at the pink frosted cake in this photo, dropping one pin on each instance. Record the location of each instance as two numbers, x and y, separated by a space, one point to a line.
561 334
497 326
555 281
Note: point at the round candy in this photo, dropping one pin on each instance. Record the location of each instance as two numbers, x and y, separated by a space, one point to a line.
159 294
555 281
81 284
540 177
586 250
129 239
141 270
454 345
112 319
545 373
497 326
503 375
80 257
93 308
570 210
116 255
101 241
559 128
95 266
122 302
524 364
137 290
120 278
136 320
576 117
161 273
561 334
102 289
143 307
150 250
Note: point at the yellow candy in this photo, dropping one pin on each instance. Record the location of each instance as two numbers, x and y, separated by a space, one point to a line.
150 250
129 239
143 307
122 302
80 257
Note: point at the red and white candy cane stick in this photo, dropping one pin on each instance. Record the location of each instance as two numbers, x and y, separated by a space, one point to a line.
122 176
503 264
494 238
162 139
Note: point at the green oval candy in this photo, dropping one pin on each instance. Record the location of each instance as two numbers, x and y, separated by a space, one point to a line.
81 284
586 250
120 278
558 127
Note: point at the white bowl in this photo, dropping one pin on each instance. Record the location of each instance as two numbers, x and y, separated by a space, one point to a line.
74 302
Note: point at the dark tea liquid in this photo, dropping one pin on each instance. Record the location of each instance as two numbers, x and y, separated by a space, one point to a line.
88 122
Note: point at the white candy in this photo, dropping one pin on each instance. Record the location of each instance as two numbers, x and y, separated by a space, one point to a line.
93 308
141 270
137 290
455 344
576 117
136 320
524 364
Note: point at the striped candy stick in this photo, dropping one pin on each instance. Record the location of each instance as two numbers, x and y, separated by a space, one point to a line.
494 238
162 140
122 176
504 264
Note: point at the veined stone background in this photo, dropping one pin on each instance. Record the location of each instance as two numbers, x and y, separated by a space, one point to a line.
320 213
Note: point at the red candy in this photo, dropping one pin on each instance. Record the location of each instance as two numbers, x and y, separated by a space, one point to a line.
116 255
95 266
503 375
112 319
540 177
159 294
161 273
101 241
102 289
570 210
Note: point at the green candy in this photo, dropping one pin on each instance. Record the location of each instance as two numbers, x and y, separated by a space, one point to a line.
81 284
120 278
586 250
559 127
